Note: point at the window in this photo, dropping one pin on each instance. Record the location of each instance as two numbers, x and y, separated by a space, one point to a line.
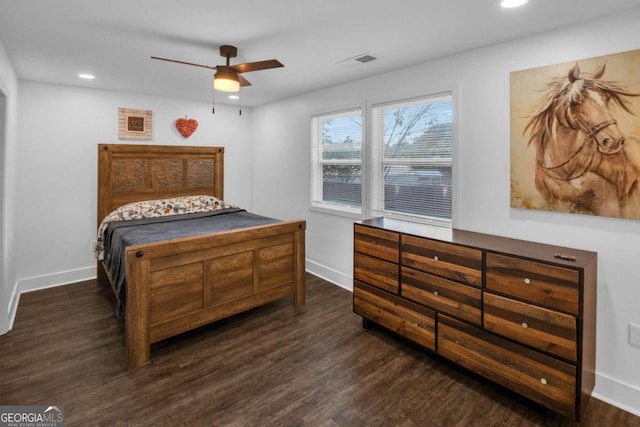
337 161
412 158
402 169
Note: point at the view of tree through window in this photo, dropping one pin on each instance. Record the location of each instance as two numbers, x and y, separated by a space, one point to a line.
413 173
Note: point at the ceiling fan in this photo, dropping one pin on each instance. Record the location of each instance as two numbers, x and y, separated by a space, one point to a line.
228 77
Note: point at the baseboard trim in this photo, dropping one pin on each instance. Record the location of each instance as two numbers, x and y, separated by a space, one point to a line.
13 305
56 279
43 282
617 393
330 275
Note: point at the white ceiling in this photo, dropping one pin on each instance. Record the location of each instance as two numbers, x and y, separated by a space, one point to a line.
54 40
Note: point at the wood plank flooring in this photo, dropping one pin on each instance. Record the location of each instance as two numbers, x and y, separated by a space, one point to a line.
273 366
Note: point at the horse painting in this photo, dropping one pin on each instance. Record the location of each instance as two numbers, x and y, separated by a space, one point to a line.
584 163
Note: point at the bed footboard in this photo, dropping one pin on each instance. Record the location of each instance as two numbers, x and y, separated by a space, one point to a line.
175 286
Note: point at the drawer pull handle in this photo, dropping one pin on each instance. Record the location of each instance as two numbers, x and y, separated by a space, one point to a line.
435 293
525 325
543 381
527 281
435 258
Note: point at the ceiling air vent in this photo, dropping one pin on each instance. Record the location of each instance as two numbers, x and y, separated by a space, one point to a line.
357 60
366 58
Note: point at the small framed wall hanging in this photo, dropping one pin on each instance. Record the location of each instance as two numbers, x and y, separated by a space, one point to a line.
134 124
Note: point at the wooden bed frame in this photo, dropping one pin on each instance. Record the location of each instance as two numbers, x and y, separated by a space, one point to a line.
178 285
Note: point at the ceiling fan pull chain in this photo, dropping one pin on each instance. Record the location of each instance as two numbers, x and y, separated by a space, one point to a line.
239 104
213 100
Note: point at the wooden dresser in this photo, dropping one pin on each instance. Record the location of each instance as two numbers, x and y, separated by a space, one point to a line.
519 313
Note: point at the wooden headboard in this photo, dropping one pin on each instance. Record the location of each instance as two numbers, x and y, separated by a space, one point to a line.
129 173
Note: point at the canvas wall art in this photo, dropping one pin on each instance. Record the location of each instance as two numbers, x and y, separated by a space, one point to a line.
575 136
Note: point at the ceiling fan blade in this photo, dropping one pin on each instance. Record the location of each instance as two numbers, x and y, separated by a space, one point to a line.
256 66
182 62
243 81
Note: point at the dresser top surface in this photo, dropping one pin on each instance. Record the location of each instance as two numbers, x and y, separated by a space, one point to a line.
500 244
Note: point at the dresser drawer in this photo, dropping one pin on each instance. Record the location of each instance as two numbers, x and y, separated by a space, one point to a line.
454 262
442 295
541 378
405 318
544 329
376 272
377 243
542 284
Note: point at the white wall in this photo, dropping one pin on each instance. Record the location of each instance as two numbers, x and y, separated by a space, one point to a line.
480 83
9 88
60 128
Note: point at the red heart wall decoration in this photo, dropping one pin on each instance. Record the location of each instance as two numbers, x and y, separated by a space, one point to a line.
186 126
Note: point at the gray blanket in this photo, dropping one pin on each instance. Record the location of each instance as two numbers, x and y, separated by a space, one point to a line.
121 234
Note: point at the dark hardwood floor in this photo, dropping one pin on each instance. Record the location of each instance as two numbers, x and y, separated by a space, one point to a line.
273 366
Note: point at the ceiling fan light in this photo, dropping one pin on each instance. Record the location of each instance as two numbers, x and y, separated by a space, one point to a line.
226 85
226 80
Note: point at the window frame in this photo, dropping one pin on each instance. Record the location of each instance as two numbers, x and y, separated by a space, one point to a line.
368 189
317 204
377 162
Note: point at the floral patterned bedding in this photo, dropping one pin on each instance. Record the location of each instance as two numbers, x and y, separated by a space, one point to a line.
158 208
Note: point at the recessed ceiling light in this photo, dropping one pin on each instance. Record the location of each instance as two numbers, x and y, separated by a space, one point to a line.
512 3
234 97
86 76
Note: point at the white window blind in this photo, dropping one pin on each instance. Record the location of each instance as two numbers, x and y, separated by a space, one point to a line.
337 161
412 157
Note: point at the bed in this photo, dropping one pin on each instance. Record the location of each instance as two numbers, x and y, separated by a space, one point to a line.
176 285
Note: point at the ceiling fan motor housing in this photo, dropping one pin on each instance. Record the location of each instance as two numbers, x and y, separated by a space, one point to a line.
228 51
